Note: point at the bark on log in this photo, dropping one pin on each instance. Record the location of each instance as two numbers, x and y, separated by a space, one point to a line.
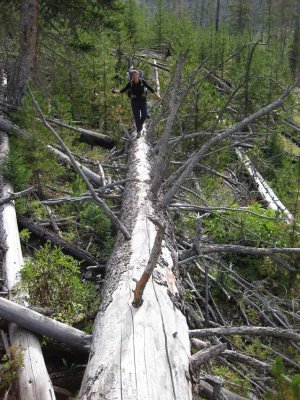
138 353
88 136
247 330
43 325
44 234
34 382
264 189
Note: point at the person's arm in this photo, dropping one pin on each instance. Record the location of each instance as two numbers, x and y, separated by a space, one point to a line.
151 90
122 90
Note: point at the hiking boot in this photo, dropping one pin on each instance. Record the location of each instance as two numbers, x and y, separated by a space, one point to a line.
138 134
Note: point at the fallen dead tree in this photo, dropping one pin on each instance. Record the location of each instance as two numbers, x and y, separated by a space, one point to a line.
246 330
264 189
88 136
138 352
42 325
33 378
45 234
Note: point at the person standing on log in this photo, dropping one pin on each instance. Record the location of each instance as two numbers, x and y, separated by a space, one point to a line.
137 92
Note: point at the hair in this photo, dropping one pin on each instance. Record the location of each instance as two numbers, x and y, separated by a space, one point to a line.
134 71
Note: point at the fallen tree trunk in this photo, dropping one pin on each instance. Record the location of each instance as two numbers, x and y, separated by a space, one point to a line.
264 189
93 177
138 353
34 381
247 330
44 234
88 136
43 325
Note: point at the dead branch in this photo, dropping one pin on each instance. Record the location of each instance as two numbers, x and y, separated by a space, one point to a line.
246 330
17 195
176 180
96 199
93 177
76 252
153 259
196 208
11 128
203 356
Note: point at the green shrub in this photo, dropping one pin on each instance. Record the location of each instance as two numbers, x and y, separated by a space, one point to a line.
15 170
52 280
10 363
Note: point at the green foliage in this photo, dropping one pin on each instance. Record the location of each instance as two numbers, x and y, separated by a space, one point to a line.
10 364
52 280
95 218
287 388
15 170
24 235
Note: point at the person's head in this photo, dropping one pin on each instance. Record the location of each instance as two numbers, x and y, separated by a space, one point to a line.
135 76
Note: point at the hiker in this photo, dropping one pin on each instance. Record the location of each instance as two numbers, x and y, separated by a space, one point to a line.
137 92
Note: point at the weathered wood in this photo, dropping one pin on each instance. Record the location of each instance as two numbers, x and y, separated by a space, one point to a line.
44 234
11 128
204 356
247 330
264 189
93 177
96 198
88 136
244 359
138 353
12 196
153 259
34 382
207 391
42 325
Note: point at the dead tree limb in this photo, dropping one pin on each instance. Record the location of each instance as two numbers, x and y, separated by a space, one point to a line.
17 195
176 180
246 330
203 356
43 325
96 198
88 136
11 128
76 252
93 177
153 259
264 189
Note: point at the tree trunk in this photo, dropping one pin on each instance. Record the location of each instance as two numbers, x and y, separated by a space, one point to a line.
138 353
27 53
34 381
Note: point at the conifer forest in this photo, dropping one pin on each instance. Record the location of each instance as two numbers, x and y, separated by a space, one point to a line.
150 199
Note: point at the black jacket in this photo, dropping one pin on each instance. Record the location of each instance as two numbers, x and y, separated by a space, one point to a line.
137 91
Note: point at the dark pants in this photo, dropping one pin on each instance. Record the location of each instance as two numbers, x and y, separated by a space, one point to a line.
139 109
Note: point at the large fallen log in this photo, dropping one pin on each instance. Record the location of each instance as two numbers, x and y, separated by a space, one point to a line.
39 323
138 353
44 234
88 136
34 381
